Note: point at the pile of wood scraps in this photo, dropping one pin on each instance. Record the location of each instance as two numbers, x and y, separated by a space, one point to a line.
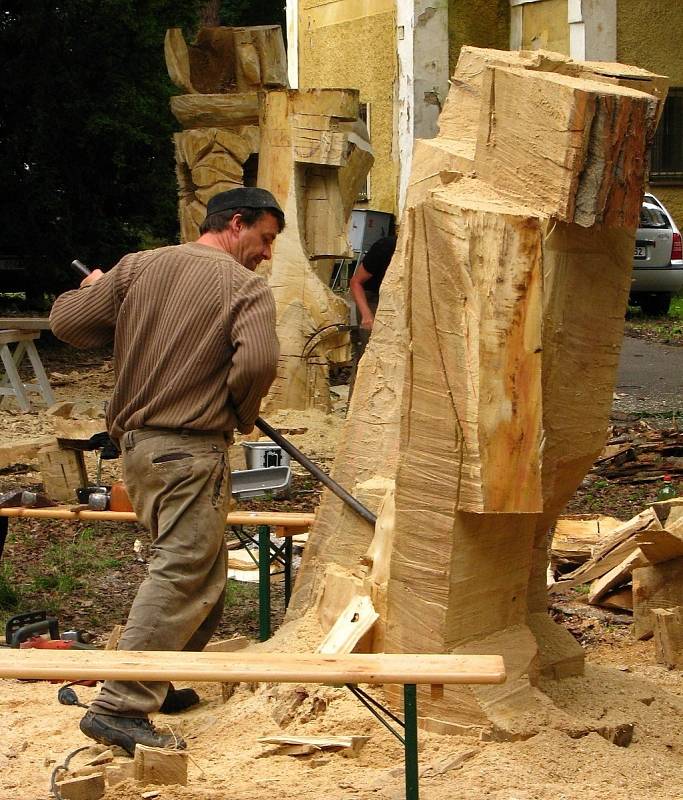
641 454
636 565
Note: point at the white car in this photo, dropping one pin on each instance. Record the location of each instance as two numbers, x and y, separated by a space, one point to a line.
658 259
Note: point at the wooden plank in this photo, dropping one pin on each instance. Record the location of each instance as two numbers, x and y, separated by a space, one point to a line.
612 550
287 520
25 323
353 623
422 668
14 335
575 537
615 577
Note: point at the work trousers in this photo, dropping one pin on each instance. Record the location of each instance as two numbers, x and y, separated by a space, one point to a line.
179 486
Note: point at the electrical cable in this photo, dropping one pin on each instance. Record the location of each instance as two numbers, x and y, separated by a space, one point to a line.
339 327
65 766
68 697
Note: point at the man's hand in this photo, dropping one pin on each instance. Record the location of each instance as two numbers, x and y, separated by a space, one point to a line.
367 322
94 276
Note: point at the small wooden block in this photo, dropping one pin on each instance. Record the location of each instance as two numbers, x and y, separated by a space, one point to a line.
160 767
105 757
668 631
436 691
62 471
115 773
88 787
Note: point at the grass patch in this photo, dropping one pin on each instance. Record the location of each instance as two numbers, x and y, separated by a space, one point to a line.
667 329
55 573
9 597
242 600
66 567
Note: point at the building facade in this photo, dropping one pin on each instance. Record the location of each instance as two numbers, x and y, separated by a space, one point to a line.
400 54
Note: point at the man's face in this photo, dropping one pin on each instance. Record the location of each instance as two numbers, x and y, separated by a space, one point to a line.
254 243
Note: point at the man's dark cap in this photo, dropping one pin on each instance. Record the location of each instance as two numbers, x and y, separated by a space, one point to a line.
244 197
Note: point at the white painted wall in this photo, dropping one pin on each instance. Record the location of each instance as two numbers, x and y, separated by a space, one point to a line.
405 99
292 19
592 28
422 46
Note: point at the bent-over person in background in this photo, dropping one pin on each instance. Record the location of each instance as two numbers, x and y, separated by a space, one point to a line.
195 351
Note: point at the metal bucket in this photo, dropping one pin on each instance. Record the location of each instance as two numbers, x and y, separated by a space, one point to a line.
260 455
269 482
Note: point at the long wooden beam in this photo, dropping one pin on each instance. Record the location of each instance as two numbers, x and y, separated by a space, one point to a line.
423 668
284 519
25 323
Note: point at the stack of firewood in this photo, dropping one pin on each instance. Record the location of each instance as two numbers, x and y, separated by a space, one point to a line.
641 454
636 565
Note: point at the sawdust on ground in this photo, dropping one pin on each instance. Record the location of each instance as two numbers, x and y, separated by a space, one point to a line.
622 684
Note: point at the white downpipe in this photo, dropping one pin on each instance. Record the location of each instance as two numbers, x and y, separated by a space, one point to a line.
292 19
405 18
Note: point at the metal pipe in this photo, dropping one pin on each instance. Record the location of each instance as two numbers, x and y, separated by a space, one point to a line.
315 470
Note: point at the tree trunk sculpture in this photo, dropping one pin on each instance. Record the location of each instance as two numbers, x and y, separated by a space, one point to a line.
484 395
308 147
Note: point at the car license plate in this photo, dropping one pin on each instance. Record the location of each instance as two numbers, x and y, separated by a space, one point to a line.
641 252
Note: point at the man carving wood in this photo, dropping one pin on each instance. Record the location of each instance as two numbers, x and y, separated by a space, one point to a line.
195 351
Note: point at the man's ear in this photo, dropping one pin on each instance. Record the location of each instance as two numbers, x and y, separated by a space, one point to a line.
236 223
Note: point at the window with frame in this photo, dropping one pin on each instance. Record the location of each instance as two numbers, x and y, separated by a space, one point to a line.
666 158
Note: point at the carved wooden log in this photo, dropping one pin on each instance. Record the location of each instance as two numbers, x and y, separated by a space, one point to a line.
309 160
485 391
314 155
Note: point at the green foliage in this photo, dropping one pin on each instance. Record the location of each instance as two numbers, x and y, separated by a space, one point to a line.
86 161
65 568
248 12
9 598
242 599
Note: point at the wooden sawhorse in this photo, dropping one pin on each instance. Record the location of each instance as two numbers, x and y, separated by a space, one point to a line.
11 384
407 669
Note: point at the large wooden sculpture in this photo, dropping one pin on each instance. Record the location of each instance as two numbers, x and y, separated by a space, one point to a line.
243 126
484 395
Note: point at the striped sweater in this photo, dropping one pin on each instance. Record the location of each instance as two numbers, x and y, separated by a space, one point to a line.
193 333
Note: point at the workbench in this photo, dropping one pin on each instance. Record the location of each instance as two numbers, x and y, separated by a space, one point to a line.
21 334
284 524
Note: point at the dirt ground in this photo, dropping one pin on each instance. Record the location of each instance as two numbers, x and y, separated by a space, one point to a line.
622 686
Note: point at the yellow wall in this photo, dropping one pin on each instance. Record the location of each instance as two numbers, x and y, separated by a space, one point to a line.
650 35
479 23
352 44
545 26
